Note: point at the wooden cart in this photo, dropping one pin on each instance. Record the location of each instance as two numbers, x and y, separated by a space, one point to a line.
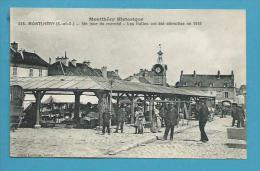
16 106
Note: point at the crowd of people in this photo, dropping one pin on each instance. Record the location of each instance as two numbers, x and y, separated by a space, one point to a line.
167 116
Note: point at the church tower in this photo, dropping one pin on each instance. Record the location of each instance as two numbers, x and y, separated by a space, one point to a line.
159 69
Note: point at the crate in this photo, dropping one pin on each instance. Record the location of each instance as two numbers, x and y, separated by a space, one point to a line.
236 133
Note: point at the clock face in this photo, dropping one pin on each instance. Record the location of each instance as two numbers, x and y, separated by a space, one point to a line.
158 70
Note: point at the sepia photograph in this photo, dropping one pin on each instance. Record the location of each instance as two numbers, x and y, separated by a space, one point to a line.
128 83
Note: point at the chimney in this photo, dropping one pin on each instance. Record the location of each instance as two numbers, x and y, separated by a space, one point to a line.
57 59
232 72
218 74
65 61
146 73
14 46
194 73
87 63
73 62
104 71
50 61
181 74
116 71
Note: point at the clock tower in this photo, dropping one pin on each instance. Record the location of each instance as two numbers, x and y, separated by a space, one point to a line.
159 69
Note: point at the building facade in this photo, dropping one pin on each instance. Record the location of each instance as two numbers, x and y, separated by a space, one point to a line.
26 64
64 66
156 76
221 85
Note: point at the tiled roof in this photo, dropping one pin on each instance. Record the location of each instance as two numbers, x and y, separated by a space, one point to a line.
206 80
58 68
26 58
140 79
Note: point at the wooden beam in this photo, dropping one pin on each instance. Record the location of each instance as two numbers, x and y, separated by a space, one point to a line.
34 93
151 115
77 105
145 98
121 95
38 96
132 109
42 94
129 96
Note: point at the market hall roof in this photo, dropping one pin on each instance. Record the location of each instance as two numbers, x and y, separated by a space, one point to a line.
92 84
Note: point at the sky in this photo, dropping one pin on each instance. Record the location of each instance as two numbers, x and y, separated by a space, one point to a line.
217 43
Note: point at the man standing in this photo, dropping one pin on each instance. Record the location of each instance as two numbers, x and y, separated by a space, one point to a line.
106 121
234 113
203 118
170 121
121 117
241 117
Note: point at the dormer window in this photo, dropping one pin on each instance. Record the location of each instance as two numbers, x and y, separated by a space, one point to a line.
185 84
225 84
40 72
199 84
14 71
31 72
211 84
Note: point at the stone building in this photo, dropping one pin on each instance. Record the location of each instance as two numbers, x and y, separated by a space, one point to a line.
157 74
26 64
222 85
64 66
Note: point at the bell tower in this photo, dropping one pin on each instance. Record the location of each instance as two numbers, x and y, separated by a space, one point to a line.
160 53
159 69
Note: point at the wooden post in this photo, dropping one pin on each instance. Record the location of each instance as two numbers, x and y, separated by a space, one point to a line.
145 98
151 115
38 96
117 100
190 112
110 108
77 106
132 109
132 98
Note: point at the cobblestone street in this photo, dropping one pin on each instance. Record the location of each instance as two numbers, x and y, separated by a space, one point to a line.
187 145
61 142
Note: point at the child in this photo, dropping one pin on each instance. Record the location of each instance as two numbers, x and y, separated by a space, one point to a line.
139 121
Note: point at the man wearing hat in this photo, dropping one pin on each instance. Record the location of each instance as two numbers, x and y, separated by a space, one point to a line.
234 113
241 116
121 118
171 119
203 118
106 121
237 115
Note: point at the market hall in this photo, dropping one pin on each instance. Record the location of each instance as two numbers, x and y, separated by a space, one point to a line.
107 90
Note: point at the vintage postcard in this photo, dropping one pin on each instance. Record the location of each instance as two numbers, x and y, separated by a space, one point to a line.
128 83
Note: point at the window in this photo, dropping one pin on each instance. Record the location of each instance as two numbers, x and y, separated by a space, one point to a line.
225 84
226 94
31 72
14 71
40 72
157 80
